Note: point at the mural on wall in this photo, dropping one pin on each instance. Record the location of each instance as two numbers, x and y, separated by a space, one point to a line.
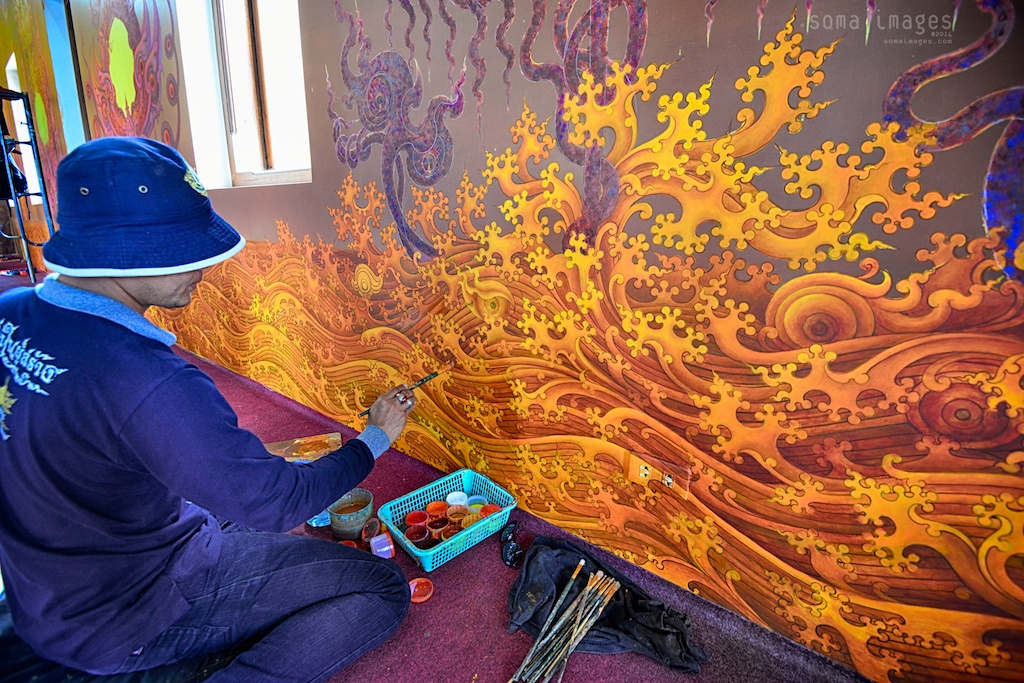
837 456
131 69
23 35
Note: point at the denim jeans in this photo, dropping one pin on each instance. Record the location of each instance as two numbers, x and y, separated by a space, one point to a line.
298 608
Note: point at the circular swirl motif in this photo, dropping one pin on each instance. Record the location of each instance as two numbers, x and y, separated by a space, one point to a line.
819 315
172 90
961 413
365 281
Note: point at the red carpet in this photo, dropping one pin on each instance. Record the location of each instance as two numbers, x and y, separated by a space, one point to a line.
461 634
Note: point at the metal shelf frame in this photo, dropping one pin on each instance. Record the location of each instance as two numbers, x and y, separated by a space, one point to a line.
10 144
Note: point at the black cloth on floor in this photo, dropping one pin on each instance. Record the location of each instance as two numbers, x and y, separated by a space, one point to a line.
632 622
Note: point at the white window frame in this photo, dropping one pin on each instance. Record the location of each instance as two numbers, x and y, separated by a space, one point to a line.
254 100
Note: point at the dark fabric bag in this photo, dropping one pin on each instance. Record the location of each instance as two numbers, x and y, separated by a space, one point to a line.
632 621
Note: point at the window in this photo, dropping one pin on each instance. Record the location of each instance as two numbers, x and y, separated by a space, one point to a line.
253 109
20 132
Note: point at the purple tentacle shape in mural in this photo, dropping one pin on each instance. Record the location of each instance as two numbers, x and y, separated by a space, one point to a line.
407 6
867 22
383 92
449 21
428 19
1003 202
710 14
760 16
475 58
601 180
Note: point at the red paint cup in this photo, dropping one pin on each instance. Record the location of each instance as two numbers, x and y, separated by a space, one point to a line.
416 518
450 531
489 509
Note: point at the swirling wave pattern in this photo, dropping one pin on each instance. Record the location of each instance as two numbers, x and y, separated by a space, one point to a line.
384 91
836 457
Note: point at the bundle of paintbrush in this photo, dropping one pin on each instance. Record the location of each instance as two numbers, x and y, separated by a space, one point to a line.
550 652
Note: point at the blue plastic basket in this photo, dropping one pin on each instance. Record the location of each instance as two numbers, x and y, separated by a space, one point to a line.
472 483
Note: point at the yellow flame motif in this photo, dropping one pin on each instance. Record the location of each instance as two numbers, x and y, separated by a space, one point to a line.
836 457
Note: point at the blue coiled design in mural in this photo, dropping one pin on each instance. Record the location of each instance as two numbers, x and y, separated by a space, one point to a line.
1003 193
383 92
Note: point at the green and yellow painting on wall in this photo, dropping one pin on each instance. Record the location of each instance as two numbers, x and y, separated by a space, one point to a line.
130 67
834 455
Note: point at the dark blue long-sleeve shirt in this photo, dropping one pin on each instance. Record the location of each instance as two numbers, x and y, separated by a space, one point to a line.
112 449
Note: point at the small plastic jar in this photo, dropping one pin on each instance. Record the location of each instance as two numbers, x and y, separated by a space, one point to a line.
437 525
476 502
450 531
382 546
489 509
416 518
457 513
436 509
456 498
417 533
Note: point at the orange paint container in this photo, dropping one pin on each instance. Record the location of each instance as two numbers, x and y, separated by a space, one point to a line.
437 509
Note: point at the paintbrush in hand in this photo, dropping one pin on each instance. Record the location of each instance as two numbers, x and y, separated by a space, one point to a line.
418 383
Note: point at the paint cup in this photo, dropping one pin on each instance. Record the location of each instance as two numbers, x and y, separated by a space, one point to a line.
450 531
382 546
370 529
470 519
350 513
436 509
436 526
489 509
416 518
476 502
428 543
416 534
457 513
456 498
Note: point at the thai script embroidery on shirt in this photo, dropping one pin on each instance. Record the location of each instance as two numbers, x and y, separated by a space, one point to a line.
27 364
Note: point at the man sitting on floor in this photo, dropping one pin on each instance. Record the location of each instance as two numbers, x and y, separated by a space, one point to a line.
124 477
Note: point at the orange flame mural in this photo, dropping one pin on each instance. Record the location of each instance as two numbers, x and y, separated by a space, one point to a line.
837 457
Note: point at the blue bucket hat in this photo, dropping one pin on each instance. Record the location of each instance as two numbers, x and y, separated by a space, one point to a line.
132 207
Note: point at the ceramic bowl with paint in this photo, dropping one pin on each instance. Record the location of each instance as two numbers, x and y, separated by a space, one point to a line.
350 513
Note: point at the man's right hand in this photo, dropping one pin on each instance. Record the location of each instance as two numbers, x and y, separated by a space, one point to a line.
391 411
